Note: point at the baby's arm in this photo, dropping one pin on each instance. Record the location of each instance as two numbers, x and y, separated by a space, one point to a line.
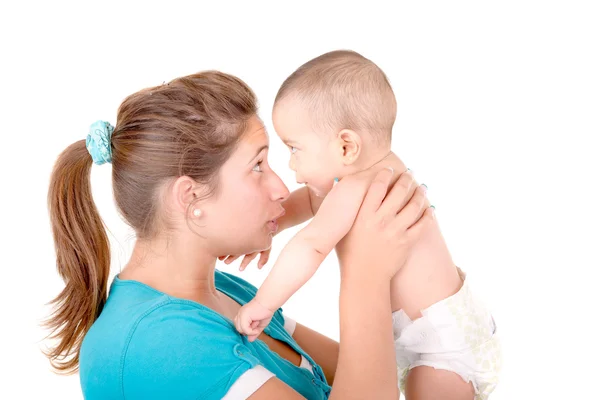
301 206
298 209
306 251
302 256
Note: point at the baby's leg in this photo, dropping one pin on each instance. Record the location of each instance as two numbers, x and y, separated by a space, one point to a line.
427 383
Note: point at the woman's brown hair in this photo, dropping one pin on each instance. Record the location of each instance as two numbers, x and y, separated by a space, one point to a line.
188 127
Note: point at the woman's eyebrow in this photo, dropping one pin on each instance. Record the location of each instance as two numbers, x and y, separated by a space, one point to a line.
266 146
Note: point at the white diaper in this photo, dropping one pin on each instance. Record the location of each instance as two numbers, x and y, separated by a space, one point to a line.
457 334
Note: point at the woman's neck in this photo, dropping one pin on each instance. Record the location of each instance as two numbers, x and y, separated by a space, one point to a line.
174 267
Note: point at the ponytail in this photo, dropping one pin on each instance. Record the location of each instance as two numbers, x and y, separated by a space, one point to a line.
82 256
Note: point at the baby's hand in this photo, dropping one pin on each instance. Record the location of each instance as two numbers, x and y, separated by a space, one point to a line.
252 319
264 257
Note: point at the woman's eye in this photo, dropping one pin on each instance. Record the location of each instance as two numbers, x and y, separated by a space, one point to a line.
293 149
257 167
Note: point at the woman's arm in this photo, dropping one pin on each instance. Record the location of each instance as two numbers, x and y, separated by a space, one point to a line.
370 255
367 358
323 350
366 368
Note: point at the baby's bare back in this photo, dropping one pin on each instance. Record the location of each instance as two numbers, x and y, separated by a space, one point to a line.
429 275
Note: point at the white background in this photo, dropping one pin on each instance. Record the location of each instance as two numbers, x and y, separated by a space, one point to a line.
498 112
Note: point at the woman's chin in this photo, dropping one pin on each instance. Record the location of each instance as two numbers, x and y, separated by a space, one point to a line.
256 242
267 244
266 239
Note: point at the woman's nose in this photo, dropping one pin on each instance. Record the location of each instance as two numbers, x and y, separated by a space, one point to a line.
278 190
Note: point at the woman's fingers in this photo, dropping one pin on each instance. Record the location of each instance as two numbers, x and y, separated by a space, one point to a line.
399 195
412 212
377 190
416 230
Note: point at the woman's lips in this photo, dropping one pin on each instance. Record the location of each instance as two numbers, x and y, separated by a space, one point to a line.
273 225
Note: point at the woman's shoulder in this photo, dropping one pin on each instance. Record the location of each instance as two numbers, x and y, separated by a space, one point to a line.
240 290
181 326
190 350
167 346
136 315
135 312
234 285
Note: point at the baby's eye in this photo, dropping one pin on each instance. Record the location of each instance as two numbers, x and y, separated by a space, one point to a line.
293 149
257 167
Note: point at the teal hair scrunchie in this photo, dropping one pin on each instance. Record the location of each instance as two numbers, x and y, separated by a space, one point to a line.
98 142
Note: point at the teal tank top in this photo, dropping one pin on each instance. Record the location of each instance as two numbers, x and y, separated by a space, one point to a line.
148 345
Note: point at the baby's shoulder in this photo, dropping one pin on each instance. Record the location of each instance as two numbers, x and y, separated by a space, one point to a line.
357 182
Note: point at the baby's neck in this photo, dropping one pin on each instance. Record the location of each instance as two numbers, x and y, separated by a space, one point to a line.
389 160
375 163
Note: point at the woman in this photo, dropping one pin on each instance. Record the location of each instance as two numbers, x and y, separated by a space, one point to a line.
191 177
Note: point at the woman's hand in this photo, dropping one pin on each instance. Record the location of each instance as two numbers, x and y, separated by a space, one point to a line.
377 246
386 227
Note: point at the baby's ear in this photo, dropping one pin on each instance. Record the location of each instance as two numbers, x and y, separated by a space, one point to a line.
350 146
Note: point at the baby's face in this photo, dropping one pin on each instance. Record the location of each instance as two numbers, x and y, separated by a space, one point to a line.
314 156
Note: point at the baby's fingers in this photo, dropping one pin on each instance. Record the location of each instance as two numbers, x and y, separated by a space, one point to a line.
264 257
231 259
255 333
247 260
236 322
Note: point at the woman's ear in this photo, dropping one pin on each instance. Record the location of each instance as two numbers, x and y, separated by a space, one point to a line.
184 192
350 146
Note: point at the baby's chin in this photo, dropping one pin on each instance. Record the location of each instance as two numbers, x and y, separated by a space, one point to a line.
318 191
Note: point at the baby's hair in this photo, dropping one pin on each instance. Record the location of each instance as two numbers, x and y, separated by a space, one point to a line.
344 90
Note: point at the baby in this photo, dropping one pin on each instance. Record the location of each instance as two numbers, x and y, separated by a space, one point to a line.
335 113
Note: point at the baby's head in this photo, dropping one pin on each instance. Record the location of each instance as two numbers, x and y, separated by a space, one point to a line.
336 114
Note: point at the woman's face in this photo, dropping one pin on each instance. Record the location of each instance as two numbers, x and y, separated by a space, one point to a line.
241 217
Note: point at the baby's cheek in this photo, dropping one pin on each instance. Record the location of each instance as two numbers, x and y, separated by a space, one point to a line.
326 184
